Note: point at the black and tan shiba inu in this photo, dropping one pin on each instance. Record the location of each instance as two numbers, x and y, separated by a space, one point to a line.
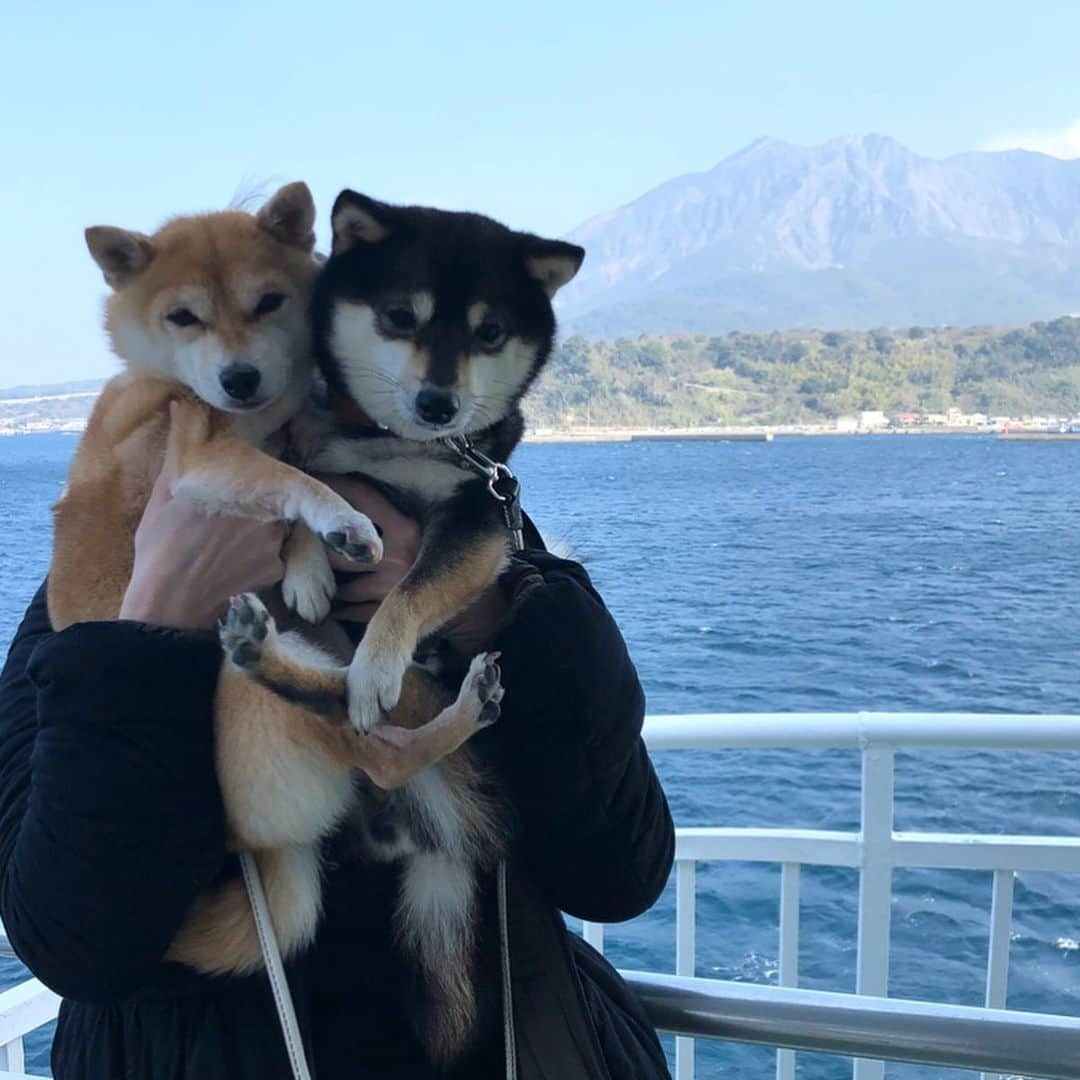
430 326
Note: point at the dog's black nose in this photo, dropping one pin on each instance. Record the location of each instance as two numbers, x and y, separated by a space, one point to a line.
436 406
240 381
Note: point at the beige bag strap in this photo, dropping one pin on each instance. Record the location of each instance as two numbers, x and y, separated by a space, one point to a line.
275 970
509 1037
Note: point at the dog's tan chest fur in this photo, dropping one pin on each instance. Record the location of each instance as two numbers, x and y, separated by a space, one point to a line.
108 487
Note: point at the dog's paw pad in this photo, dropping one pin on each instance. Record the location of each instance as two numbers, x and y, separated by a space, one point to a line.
245 630
488 679
245 654
357 539
482 691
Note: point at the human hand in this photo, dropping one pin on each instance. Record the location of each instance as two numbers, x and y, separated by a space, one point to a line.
188 563
359 593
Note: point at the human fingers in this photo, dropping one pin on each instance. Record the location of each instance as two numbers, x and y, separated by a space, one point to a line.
171 466
161 492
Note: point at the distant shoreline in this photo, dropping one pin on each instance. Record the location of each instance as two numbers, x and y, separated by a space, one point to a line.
715 434
748 434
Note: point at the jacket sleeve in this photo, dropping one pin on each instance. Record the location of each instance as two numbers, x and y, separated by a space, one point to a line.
593 824
110 814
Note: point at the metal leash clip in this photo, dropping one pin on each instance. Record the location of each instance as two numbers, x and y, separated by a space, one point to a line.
503 485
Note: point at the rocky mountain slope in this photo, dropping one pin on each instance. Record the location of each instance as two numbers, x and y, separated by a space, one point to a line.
858 232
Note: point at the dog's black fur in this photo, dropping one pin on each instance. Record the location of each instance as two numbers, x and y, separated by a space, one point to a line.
459 258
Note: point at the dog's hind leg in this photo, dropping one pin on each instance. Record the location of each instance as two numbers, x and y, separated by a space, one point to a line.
398 754
420 731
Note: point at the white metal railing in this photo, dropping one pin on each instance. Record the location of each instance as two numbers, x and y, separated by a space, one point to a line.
769 1014
875 850
22 1009
946 1036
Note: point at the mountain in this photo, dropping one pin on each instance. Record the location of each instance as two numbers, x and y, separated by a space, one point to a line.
856 233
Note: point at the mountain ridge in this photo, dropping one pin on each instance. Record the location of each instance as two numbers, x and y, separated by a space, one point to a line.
1001 225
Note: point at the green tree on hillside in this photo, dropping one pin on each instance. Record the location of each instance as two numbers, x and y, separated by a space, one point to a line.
809 376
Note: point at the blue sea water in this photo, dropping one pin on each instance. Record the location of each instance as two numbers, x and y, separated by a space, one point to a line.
806 574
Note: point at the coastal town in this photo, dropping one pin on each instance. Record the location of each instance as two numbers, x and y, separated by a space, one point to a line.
954 419
33 413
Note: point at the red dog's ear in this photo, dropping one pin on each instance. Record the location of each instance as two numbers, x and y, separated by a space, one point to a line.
356 219
290 216
552 262
120 253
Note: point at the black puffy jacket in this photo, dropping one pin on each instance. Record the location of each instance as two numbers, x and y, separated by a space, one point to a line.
111 823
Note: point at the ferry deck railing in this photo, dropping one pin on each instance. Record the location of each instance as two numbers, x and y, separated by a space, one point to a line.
865 1025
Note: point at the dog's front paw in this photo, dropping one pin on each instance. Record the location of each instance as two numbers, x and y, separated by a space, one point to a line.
247 631
482 691
355 537
374 687
308 588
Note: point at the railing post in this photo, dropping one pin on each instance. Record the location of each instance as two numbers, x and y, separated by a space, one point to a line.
875 886
789 952
11 1057
593 933
685 959
997 961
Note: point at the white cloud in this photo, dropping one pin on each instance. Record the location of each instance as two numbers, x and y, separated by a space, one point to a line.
1062 143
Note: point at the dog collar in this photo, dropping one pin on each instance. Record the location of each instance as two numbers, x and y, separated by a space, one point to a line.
349 413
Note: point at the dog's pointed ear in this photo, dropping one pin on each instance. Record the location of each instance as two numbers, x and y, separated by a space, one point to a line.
552 262
356 219
290 216
120 253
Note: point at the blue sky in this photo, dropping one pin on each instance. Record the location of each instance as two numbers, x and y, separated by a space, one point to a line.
541 115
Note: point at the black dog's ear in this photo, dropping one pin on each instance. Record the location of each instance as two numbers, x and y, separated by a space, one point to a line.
120 253
356 219
290 216
552 262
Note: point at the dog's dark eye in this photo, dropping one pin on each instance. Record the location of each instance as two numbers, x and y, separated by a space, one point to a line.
183 317
269 302
490 332
401 318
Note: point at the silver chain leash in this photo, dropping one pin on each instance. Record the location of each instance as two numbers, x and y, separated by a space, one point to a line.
503 486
